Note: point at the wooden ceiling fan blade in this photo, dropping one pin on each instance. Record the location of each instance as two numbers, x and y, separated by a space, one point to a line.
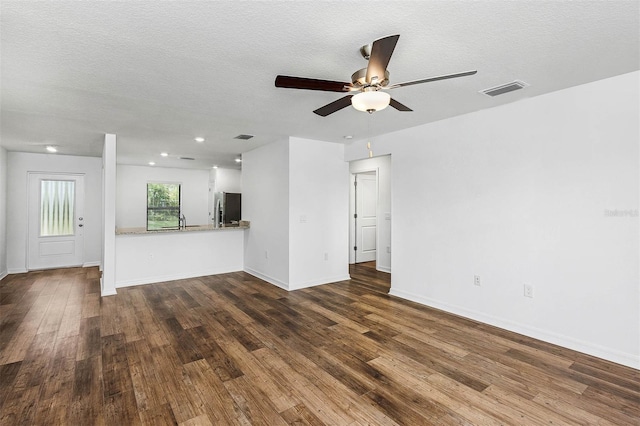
381 51
428 80
334 106
311 84
397 105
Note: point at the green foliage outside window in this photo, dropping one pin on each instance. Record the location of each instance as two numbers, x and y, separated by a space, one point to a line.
163 205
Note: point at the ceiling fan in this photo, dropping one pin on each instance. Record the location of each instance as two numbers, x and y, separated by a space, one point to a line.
370 82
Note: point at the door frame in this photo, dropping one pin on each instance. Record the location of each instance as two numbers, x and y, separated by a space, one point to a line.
33 175
352 205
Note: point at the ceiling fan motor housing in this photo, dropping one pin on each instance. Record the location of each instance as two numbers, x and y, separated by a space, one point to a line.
359 79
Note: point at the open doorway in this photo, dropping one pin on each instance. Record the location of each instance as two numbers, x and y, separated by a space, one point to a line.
370 213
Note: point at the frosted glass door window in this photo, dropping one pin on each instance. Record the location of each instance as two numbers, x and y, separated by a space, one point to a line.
57 199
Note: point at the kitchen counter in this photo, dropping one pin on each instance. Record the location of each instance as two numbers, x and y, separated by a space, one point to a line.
189 228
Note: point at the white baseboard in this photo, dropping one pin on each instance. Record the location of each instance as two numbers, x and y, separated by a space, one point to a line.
108 293
103 292
172 277
291 287
16 271
91 264
383 269
627 359
267 278
3 274
320 281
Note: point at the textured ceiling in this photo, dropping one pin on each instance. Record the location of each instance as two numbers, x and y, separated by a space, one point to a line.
158 74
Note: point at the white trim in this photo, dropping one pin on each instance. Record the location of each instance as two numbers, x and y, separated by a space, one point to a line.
383 268
267 278
173 277
321 281
291 287
627 359
109 292
24 271
3 274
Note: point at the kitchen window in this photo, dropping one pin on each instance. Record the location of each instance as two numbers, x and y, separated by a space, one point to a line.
163 206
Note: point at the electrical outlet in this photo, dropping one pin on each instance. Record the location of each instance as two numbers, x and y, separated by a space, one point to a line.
528 290
476 280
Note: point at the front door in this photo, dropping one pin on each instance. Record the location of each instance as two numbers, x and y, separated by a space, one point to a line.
56 222
366 201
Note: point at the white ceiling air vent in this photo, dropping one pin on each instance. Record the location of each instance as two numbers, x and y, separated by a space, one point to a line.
186 158
244 137
504 88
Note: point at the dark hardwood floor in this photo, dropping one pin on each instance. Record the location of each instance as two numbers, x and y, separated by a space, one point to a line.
231 349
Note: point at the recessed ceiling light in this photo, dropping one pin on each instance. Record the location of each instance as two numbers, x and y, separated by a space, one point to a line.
52 149
238 160
199 139
163 154
348 137
151 163
214 167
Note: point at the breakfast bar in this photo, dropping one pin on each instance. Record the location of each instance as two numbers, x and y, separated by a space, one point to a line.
144 257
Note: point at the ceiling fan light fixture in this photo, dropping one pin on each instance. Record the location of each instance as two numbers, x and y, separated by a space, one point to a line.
371 101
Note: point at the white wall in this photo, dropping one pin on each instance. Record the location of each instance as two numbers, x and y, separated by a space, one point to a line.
109 184
382 166
3 212
228 180
166 256
519 194
131 198
318 213
265 202
296 197
19 164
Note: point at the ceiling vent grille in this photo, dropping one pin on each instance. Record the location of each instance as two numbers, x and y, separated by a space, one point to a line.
244 137
504 88
186 158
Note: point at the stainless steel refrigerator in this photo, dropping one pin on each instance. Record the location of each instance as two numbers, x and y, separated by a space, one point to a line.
228 208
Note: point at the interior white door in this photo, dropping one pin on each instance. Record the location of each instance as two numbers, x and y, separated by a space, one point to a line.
56 221
366 195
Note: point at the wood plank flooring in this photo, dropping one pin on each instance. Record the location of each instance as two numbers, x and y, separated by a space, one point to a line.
231 349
